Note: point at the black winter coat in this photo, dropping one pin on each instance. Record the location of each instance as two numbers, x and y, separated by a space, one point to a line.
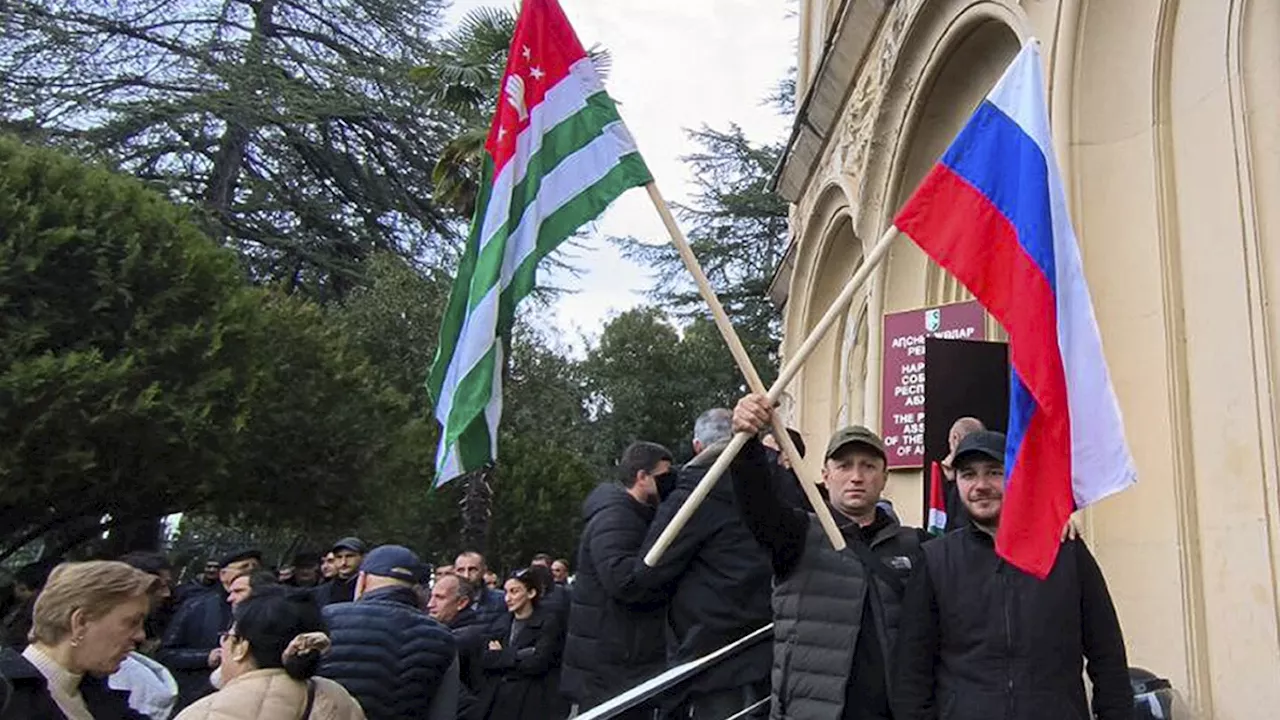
982 640
387 653
558 601
471 635
616 635
490 606
31 700
336 590
190 638
521 681
721 579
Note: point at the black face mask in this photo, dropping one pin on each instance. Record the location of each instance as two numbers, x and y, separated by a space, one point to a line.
666 483
772 456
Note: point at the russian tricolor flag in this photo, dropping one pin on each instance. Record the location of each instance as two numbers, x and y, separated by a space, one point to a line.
993 213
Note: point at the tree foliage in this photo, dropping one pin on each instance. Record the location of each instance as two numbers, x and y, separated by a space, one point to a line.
656 369
738 229
295 125
124 362
141 376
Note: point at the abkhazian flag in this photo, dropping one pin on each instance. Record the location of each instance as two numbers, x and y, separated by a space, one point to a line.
557 155
993 213
937 524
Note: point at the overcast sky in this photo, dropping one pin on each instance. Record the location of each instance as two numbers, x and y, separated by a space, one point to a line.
676 64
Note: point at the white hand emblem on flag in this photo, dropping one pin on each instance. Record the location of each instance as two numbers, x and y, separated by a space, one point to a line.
515 96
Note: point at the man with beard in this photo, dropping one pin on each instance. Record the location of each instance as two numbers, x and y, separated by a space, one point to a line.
347 555
202 583
560 571
616 625
490 604
982 639
306 571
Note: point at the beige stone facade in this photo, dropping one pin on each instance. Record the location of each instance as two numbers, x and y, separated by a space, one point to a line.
1166 115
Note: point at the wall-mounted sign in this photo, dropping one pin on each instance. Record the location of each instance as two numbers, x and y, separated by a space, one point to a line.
902 385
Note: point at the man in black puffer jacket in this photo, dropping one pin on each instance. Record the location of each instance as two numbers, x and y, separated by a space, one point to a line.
617 631
399 663
722 581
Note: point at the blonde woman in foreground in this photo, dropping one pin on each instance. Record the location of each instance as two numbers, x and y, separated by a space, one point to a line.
86 621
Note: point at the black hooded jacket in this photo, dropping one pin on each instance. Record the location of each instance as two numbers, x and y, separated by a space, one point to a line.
616 636
721 579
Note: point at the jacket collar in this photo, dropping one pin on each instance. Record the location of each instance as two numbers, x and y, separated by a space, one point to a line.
465 618
708 456
256 676
395 594
15 667
980 535
882 525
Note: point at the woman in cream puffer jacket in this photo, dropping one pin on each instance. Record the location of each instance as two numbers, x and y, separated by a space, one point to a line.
268 661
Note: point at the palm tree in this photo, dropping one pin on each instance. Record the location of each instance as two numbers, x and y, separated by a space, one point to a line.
464 77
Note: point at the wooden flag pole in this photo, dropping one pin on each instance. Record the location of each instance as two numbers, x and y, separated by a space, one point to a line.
739 352
838 308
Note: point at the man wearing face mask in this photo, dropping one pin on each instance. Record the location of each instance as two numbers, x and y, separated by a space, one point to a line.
616 635
720 579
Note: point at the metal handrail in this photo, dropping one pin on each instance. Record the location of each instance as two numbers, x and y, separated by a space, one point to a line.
661 683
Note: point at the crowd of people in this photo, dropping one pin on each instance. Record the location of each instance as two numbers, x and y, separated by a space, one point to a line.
896 625
355 633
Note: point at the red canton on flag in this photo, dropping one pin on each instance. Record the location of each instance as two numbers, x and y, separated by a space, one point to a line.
557 155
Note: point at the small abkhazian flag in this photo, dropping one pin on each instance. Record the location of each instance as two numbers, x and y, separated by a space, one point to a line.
937 524
557 155
993 213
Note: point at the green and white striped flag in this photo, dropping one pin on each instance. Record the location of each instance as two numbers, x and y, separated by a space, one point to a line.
558 155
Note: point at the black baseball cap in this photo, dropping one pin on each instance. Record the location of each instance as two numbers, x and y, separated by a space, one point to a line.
855 434
236 556
983 443
354 544
394 561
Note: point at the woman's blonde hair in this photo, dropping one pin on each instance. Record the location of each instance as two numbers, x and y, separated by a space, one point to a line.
95 588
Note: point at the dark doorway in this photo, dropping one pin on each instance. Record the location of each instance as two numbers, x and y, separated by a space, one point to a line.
962 377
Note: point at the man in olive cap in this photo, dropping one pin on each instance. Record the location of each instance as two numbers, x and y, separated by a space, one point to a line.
835 612
347 556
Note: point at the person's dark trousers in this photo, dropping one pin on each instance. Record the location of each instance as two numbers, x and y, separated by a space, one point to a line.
722 704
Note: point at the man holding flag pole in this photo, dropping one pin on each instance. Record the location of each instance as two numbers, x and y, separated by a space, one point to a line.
997 621
556 156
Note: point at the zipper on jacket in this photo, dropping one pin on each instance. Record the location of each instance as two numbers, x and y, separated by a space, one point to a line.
1008 634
